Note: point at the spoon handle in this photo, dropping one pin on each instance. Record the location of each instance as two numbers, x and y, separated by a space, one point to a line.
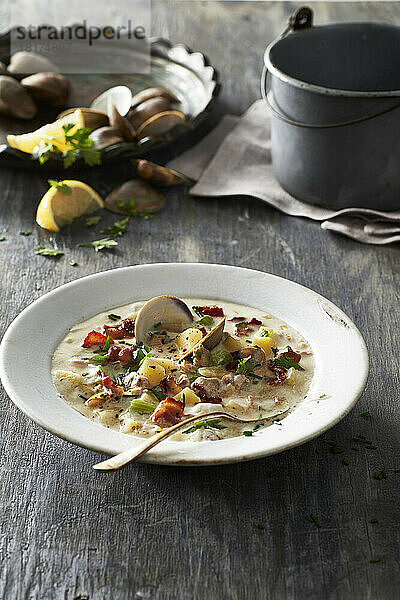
118 461
122 459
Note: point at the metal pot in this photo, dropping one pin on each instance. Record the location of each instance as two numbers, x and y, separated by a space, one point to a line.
334 94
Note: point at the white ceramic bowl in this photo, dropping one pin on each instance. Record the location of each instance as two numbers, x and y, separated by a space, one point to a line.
341 356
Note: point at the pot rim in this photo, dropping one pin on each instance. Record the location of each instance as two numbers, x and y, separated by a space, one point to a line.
318 89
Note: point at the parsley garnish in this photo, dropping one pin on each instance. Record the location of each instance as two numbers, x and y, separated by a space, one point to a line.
365 414
157 391
100 244
379 475
375 560
25 233
247 433
287 362
313 519
194 376
73 263
335 449
98 359
247 366
114 317
90 221
60 186
79 142
47 251
118 229
210 424
345 462
3 239
260 527
129 208
374 521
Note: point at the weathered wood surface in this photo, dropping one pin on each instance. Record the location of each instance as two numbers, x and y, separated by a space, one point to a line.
180 534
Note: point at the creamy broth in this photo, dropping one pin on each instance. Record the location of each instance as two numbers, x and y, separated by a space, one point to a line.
110 383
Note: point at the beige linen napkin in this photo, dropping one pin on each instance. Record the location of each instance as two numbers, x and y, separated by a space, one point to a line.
235 159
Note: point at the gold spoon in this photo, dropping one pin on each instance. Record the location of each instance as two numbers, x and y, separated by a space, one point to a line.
122 459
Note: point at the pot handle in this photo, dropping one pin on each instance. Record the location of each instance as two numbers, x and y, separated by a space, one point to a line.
302 18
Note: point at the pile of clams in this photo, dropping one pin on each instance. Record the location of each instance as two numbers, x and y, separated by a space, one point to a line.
31 79
118 116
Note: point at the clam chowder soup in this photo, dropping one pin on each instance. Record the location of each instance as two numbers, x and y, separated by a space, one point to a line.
146 366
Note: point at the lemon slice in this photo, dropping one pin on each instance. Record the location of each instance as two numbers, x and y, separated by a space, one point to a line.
62 204
51 133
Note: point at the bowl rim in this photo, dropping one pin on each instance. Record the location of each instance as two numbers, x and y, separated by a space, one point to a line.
336 322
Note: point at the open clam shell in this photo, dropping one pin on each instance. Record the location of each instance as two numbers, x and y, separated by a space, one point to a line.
159 175
210 340
171 312
160 124
120 96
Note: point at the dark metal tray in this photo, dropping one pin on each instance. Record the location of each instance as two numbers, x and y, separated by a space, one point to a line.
187 74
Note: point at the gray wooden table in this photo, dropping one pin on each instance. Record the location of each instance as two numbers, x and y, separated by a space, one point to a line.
234 532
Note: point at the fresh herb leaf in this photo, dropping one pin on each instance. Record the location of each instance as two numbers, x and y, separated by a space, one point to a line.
73 263
210 424
118 229
100 244
375 560
264 332
335 449
345 462
246 365
374 521
274 351
194 376
287 362
129 208
25 233
220 358
260 527
91 221
365 414
247 433
98 359
47 251
80 141
106 346
157 391
313 519
60 186
3 239
379 475
113 317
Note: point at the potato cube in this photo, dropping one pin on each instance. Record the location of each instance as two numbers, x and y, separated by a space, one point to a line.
152 369
189 396
263 339
165 362
188 339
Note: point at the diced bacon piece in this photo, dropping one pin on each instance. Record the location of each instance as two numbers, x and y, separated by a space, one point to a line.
168 412
169 385
202 393
280 374
245 327
212 311
94 338
112 354
126 329
116 390
255 321
239 319
125 356
290 353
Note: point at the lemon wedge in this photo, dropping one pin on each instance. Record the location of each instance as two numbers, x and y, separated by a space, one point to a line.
51 133
66 201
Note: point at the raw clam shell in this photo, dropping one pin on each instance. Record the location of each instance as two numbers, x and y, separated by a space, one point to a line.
52 88
159 175
94 119
120 96
144 196
171 311
120 123
15 101
29 63
105 136
160 124
148 109
154 92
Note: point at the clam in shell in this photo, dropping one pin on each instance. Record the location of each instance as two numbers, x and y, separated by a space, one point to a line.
210 340
52 88
105 136
154 92
170 311
137 193
120 96
160 124
15 101
159 175
148 109
29 63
